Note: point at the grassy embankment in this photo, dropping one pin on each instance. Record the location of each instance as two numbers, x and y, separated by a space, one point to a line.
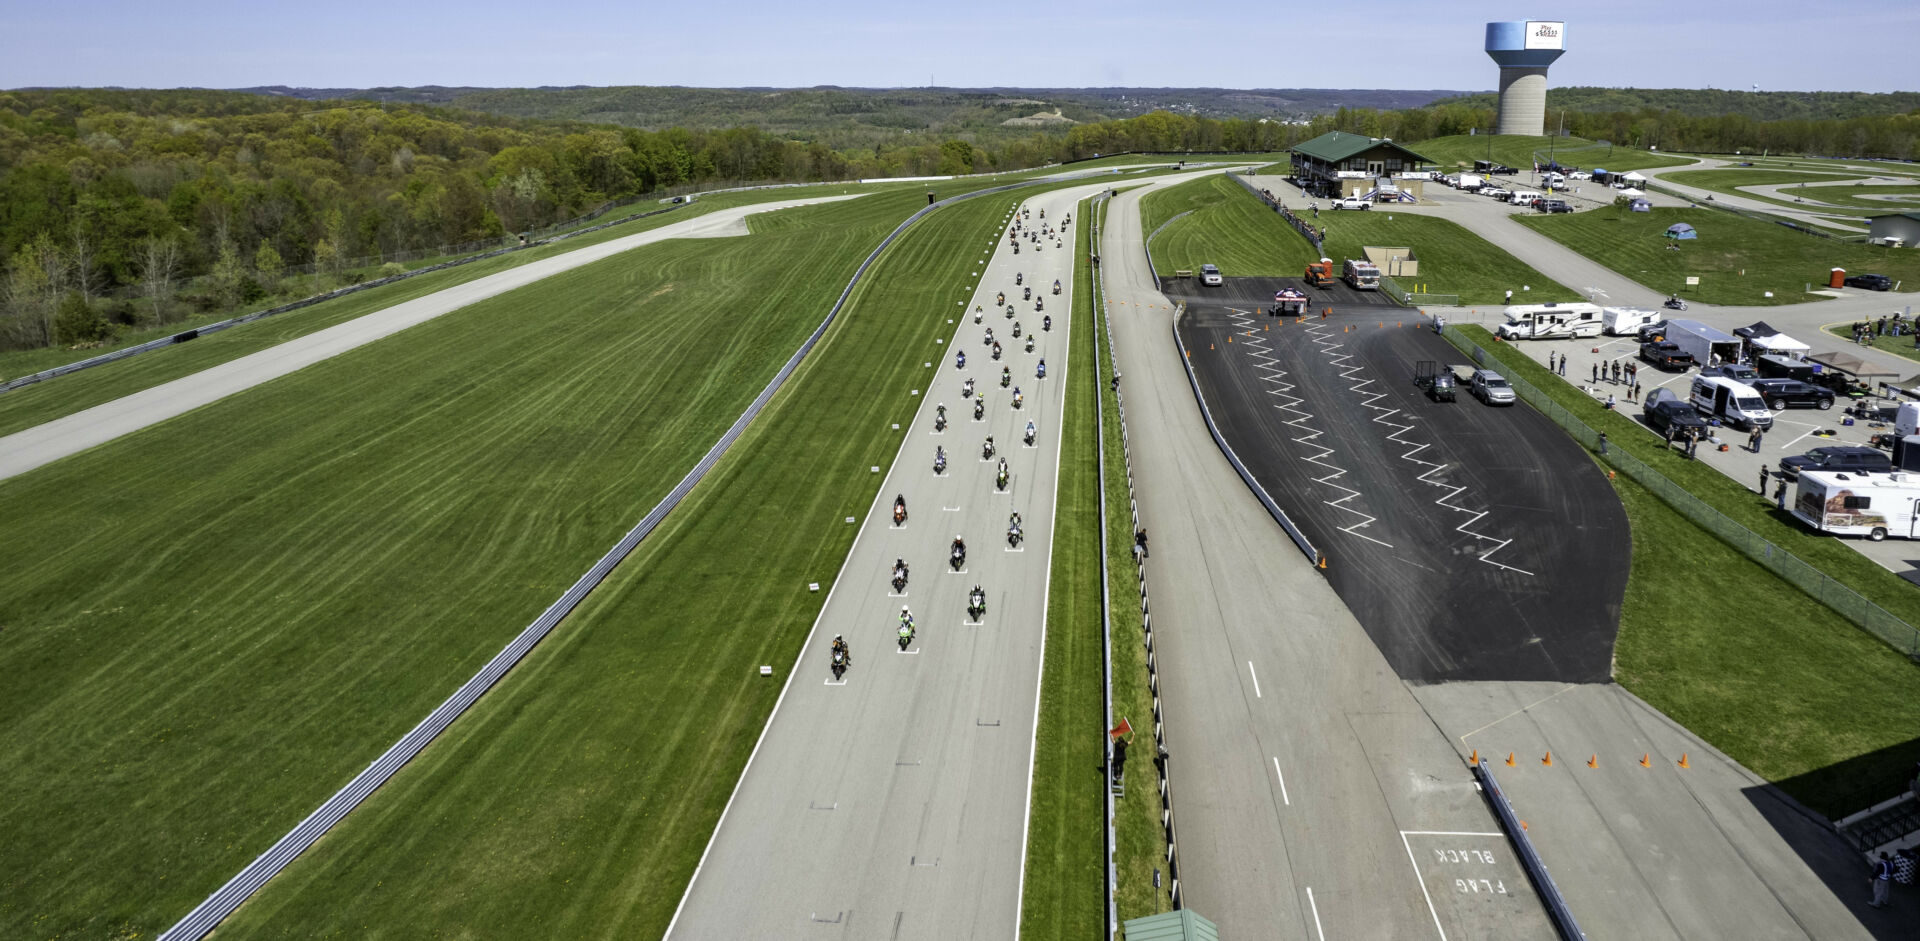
1737 259
577 798
1517 150
1230 228
1065 891
212 624
1764 672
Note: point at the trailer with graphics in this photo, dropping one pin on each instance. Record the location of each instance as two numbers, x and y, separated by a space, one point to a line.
1853 504
1550 321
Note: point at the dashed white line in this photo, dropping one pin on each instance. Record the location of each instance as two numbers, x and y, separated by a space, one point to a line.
1283 783
1316 915
1256 680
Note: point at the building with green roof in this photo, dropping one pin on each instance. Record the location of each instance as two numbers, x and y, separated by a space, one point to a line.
1341 164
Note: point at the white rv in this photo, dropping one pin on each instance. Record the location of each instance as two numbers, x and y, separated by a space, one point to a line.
1627 321
1872 505
1545 321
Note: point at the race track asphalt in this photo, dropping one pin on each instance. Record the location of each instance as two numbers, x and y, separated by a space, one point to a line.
1472 542
1313 796
893 804
44 443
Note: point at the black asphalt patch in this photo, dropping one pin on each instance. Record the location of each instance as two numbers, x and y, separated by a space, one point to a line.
1257 294
1472 543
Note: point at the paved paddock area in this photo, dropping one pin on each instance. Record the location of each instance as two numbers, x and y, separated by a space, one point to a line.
1471 542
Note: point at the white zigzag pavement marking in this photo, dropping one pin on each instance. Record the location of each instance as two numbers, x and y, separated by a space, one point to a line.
1290 403
1385 417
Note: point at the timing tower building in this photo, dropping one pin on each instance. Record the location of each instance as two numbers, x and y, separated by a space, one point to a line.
1523 50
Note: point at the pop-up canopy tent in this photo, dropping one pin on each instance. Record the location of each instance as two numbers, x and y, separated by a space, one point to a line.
1854 365
1681 230
1633 177
1762 335
1632 193
1641 204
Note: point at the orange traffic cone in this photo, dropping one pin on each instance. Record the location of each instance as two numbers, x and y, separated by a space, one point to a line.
1474 758
1594 762
1683 760
1509 759
1646 760
1548 761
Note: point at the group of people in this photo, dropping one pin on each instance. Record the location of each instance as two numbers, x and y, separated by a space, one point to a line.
1893 325
1614 371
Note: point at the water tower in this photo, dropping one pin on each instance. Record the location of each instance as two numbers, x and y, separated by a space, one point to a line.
1523 49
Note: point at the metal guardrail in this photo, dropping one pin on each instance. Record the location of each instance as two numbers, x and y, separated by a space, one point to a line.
210 912
1273 508
1845 601
1147 245
197 332
1543 883
1146 618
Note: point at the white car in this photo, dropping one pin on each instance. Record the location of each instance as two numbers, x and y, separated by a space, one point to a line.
1210 276
1495 192
1579 175
1352 202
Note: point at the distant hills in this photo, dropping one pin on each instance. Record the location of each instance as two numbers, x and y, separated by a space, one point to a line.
1718 102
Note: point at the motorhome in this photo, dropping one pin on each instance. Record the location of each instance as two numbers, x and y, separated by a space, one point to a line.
1849 504
1627 321
1731 402
1544 321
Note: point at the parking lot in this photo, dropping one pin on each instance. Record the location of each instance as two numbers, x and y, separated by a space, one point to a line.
1795 431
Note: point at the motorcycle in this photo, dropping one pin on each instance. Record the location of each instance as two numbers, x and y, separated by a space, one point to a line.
1016 248
940 419
987 450
1039 305
966 390
1018 399
1046 324
996 352
1016 329
1674 303
899 580
1001 476
906 632
939 460
1000 298
899 511
1027 296
1006 376
958 556
960 359
976 604
1041 372
1056 285
1009 311
978 313
1014 536
1029 342
1030 434
979 409
839 664
1018 278
989 340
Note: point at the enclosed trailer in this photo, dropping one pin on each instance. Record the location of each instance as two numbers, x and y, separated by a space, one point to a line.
1872 505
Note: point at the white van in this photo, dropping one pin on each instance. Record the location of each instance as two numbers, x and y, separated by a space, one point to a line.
1627 321
1525 197
1733 402
1546 321
1872 505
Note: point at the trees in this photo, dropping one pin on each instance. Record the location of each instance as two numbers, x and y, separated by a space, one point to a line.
268 268
159 262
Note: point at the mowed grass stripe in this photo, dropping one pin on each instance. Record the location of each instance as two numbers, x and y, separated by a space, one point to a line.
211 625
577 797
1065 888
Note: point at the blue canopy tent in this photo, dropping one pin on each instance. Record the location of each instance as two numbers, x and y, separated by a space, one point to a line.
1681 230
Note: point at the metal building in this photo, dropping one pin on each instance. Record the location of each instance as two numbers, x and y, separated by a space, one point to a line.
1523 49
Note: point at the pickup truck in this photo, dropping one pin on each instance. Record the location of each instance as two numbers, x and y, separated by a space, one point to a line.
1676 417
1352 202
1665 355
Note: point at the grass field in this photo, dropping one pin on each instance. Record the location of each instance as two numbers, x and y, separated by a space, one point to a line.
1065 891
1230 228
1140 845
1737 259
1516 150
1899 346
65 395
209 626
1853 197
576 799
1762 671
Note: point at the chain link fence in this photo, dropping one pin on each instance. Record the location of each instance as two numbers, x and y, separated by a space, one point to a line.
1850 604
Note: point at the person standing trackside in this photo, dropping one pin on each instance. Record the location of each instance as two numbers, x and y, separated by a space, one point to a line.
1563 364
1596 373
1509 295
1763 478
1882 881
1780 492
1550 355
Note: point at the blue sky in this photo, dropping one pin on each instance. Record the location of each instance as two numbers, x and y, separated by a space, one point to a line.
1836 45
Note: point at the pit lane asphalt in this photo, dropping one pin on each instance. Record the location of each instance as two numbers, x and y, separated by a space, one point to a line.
1472 542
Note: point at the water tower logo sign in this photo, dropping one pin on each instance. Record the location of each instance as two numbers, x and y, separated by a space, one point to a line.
1545 35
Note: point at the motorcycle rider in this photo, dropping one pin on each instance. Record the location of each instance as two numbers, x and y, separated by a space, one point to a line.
1018 399
1041 372
1016 329
940 417
966 391
1046 323
976 602
840 648
1006 376
996 350
1030 432
979 408
986 450
939 459
978 313
1039 303
959 359
1029 342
